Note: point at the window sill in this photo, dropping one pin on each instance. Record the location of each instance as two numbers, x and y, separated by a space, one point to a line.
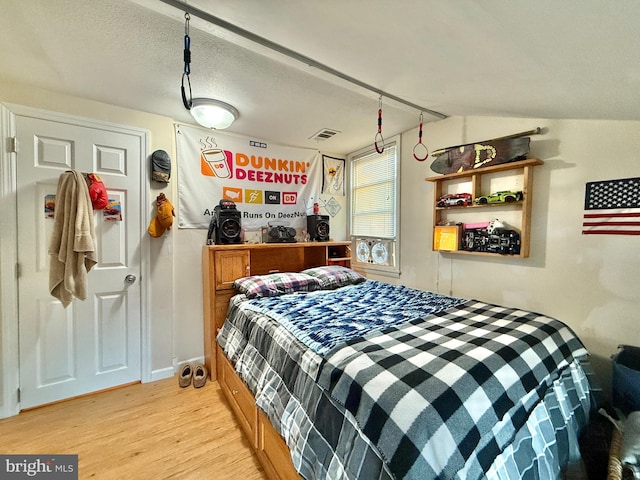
368 270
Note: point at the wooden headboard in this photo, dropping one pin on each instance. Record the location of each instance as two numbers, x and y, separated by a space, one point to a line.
223 264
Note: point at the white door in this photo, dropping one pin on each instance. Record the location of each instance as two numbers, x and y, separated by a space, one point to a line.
92 344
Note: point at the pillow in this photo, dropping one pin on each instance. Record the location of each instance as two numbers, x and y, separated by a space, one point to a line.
334 276
256 286
291 282
275 284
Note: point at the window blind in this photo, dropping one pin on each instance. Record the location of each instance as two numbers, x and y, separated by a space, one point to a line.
374 192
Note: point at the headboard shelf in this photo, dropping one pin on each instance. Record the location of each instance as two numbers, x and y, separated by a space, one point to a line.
222 264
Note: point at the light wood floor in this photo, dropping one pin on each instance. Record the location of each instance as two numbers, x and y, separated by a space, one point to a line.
146 431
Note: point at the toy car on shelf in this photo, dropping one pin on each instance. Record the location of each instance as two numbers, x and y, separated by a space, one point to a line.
454 199
500 240
504 196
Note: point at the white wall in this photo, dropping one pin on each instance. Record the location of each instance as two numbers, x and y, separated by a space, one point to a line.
591 282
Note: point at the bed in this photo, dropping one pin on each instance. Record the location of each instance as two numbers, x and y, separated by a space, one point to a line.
344 377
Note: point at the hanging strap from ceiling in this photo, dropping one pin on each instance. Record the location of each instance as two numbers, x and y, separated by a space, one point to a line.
378 141
420 151
187 64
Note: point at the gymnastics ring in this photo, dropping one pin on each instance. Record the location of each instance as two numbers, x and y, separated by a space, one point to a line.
426 152
420 159
379 139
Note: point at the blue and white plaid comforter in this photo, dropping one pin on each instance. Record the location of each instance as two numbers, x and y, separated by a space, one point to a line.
326 319
439 397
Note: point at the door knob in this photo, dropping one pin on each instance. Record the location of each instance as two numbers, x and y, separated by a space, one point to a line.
129 279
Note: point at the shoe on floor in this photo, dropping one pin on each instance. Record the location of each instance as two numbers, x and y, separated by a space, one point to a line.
186 372
199 376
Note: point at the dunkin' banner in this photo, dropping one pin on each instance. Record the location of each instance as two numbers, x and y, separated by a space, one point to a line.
267 182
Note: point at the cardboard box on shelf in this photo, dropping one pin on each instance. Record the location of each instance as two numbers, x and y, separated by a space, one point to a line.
447 237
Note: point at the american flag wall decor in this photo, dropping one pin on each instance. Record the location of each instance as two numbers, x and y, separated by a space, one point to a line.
612 207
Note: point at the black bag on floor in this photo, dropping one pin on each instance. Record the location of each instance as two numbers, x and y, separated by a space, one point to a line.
626 379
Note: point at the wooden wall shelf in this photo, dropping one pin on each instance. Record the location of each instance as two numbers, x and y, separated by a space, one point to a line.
523 167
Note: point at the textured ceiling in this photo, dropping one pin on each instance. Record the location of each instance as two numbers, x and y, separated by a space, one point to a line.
548 59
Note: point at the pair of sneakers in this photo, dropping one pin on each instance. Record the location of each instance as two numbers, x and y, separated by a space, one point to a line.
196 373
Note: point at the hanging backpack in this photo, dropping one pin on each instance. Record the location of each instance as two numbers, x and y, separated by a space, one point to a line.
97 192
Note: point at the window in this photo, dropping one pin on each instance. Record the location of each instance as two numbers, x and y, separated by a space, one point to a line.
374 201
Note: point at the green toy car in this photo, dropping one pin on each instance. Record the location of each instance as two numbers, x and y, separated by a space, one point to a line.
504 196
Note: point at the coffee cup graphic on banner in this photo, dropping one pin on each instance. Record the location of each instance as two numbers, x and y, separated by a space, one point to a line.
217 161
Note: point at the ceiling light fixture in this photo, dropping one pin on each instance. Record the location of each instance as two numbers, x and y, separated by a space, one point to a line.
212 113
207 112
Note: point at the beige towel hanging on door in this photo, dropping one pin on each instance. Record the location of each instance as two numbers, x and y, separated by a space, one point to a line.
73 242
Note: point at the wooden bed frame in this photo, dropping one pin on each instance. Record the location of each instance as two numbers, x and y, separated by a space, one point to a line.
221 265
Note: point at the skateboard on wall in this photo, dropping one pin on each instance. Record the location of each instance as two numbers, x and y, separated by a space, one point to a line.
484 153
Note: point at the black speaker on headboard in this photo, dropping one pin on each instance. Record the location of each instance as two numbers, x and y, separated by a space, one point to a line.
225 226
318 228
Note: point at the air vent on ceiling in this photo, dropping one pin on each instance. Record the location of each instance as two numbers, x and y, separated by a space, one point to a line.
324 134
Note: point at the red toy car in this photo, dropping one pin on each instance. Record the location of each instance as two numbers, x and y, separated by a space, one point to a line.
454 199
